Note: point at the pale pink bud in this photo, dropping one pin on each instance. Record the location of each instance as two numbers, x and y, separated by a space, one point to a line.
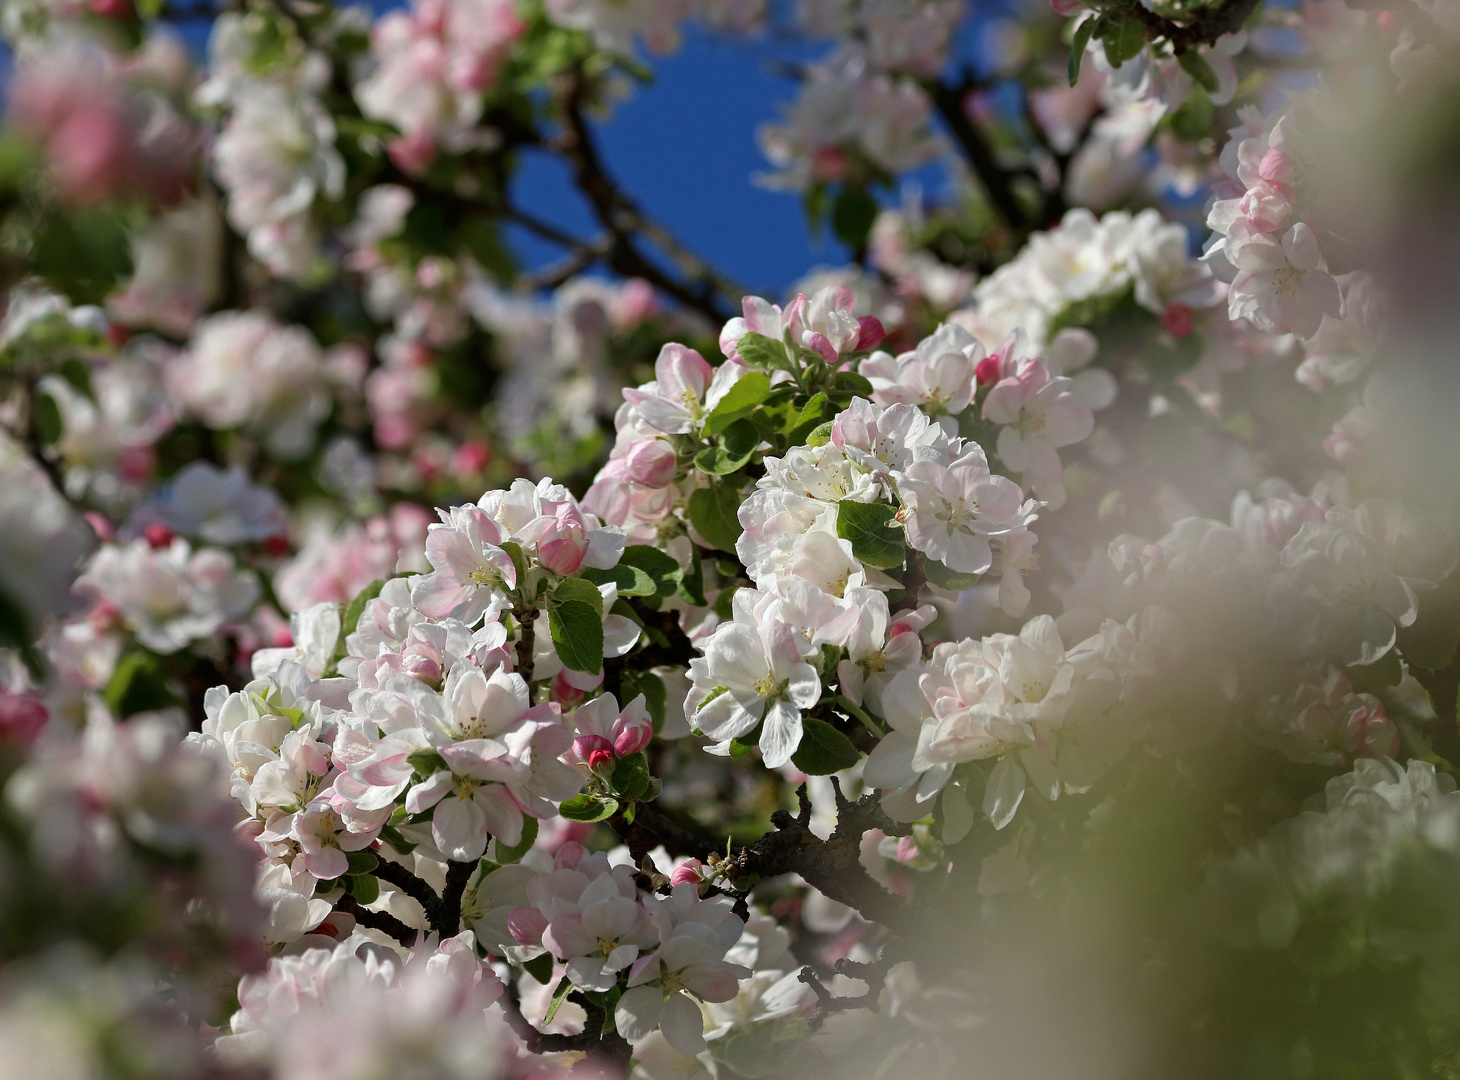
564 692
631 734
424 668
907 849
828 164
1177 319
526 925
1276 167
1265 206
100 525
412 153
21 717
1371 733
562 547
651 463
569 855
691 871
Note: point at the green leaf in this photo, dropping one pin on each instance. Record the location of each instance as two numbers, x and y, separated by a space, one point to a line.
630 776
849 384
362 862
511 854
575 619
363 888
813 414
714 512
1432 640
1371 678
661 567
519 560
821 435
742 398
78 374
15 631
824 749
852 216
1079 44
351 619
939 575
652 687
391 835
45 418
1201 72
691 588
874 540
560 995
631 581
760 351
540 968
588 808
426 762
1123 40
851 708
739 747
737 444
138 684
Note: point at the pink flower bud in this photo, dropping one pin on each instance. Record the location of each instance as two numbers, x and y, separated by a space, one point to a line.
1177 319
569 855
159 535
412 153
907 849
631 734
691 871
871 332
585 746
828 164
989 370
21 717
100 525
564 692
136 463
651 463
526 925
600 759
470 458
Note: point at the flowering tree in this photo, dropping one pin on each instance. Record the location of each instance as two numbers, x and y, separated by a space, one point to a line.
1031 650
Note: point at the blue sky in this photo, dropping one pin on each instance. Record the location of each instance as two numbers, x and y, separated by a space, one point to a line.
684 147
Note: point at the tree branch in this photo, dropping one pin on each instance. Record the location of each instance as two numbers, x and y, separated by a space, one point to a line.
383 921
1204 28
996 180
618 214
457 873
396 874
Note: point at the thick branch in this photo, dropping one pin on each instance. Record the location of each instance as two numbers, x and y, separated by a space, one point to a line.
378 920
407 882
1204 29
996 180
457 873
